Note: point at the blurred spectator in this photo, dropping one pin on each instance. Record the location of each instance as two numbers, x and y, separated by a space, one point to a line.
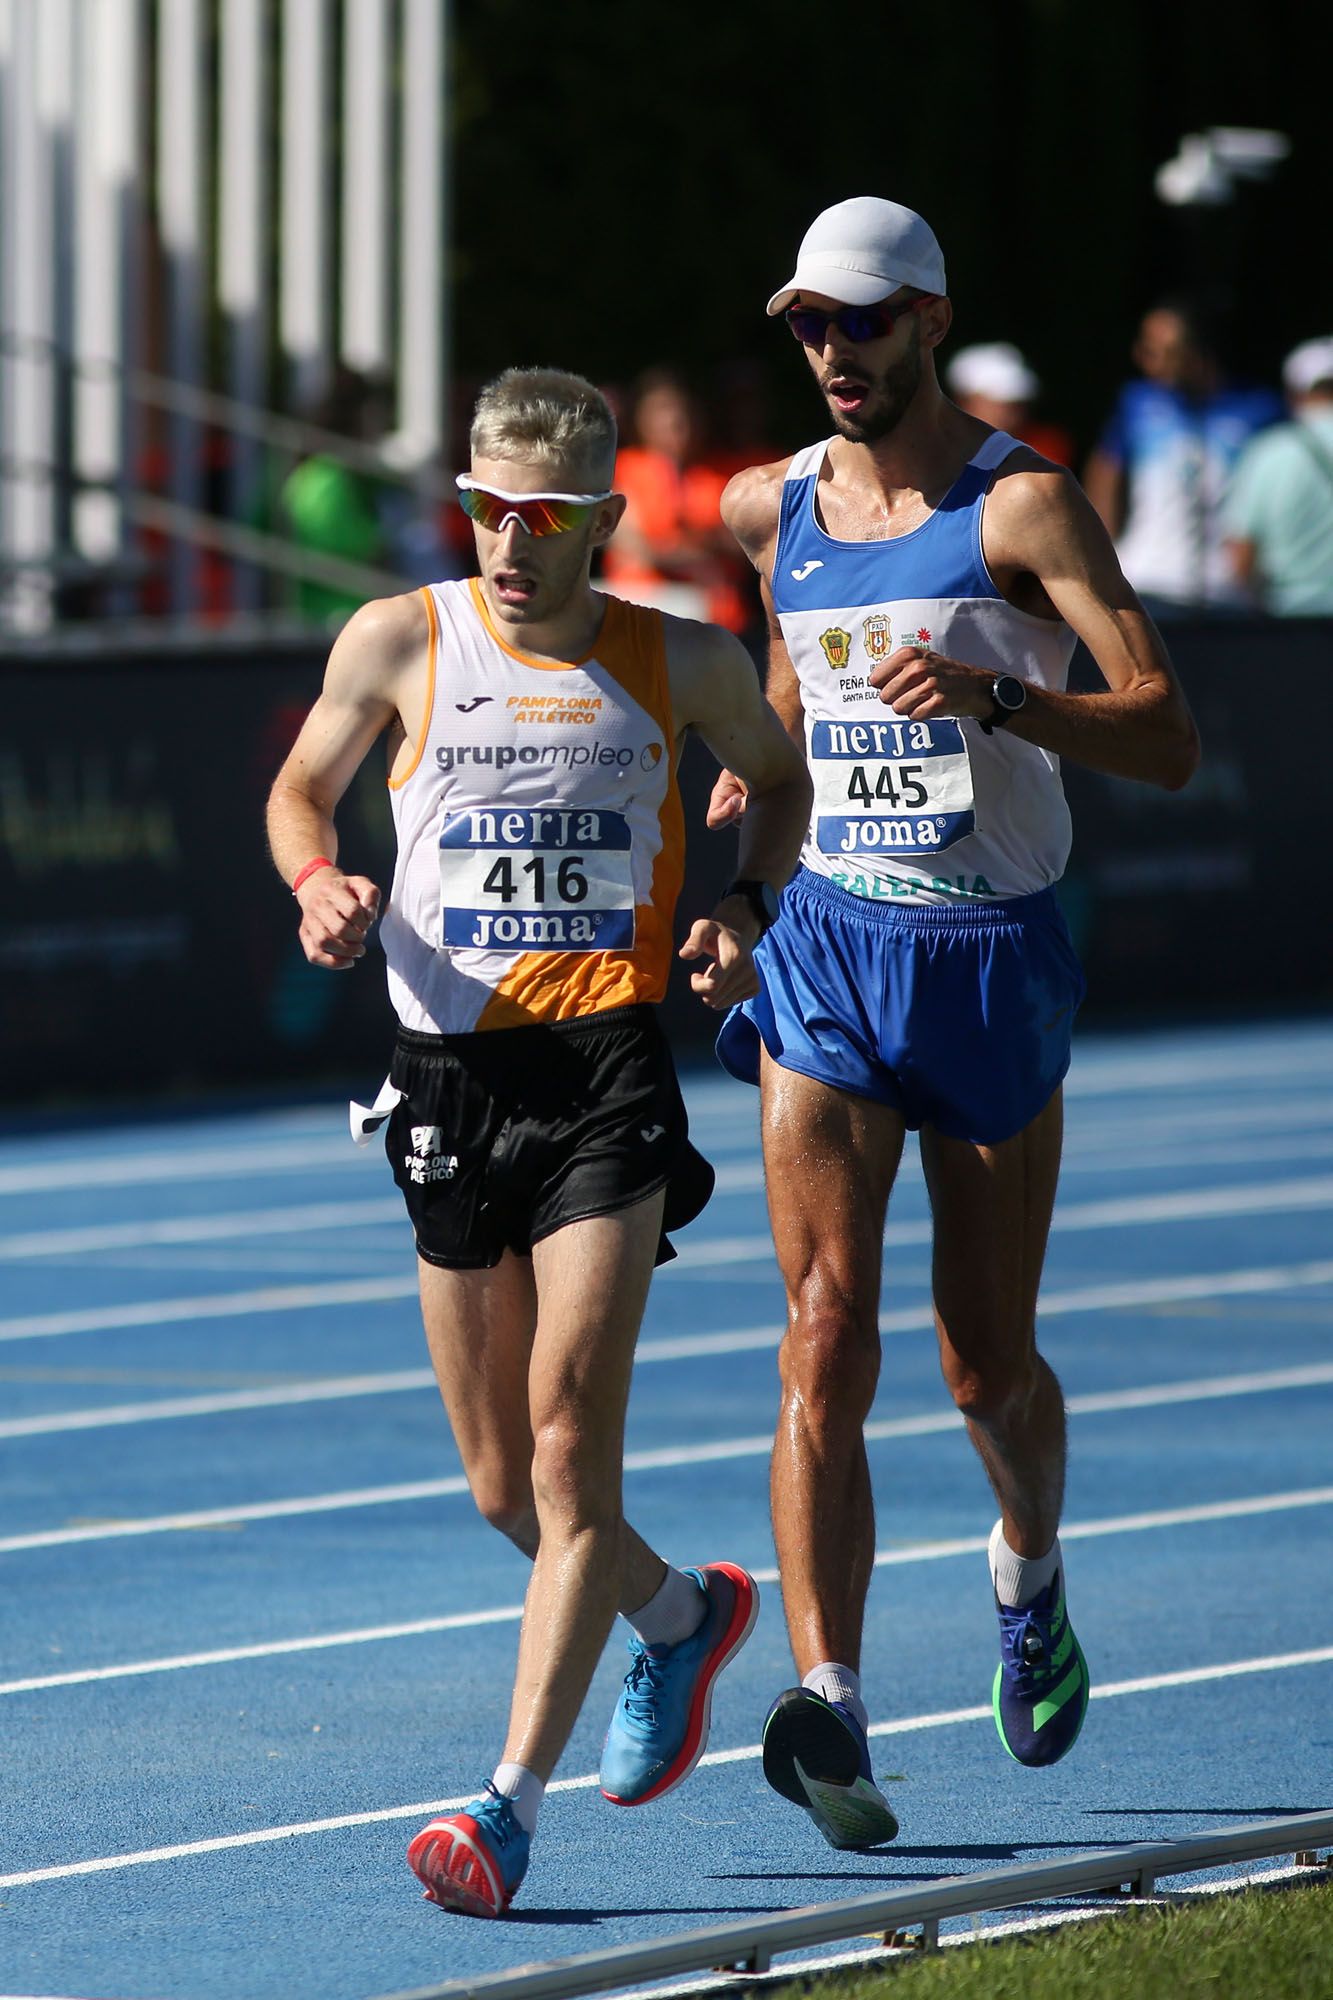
741 428
334 508
210 570
671 548
1161 468
1279 513
992 381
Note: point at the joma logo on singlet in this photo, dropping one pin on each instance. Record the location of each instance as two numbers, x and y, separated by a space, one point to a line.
549 931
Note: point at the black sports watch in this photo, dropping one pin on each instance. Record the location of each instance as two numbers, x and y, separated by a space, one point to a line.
761 896
1008 699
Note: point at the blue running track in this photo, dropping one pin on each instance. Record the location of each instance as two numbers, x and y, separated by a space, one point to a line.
254 1633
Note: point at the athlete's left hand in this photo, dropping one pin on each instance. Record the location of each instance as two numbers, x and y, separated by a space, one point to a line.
731 976
916 682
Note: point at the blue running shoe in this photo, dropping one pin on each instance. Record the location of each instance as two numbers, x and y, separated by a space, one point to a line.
816 1755
1040 1695
660 1725
474 1860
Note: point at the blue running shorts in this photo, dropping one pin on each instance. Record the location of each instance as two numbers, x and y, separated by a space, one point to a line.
959 1016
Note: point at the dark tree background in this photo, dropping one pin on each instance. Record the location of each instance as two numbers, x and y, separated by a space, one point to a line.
632 180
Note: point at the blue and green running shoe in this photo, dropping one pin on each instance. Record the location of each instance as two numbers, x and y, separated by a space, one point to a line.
1040 1696
816 1755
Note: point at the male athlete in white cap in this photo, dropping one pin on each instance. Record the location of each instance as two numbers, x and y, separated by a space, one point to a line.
926 578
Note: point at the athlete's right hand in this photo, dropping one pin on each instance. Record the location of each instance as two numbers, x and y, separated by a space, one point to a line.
729 976
337 911
727 804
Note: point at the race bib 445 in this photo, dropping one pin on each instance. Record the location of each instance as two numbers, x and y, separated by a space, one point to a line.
893 786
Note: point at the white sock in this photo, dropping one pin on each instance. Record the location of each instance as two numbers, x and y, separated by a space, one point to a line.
675 1611
836 1683
1018 1579
524 1790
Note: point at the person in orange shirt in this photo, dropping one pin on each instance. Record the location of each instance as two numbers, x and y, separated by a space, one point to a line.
671 549
534 1121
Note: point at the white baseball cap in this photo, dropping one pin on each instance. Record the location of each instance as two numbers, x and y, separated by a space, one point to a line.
1308 364
861 250
992 368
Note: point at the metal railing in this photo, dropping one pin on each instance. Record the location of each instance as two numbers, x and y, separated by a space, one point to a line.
751 1944
275 555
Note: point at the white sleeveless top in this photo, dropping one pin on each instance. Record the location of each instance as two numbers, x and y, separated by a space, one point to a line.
935 811
540 835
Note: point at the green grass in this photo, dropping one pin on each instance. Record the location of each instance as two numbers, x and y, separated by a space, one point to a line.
1259 1944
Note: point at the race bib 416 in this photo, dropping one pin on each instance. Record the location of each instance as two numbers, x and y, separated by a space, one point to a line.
550 879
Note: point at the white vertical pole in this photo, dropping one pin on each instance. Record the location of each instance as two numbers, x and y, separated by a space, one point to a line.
58 110
9 93
304 293
106 260
182 193
243 240
29 419
422 321
366 247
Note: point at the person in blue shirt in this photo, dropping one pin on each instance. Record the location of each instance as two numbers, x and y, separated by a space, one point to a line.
1161 470
926 578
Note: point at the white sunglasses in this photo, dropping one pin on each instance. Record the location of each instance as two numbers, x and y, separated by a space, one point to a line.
536 513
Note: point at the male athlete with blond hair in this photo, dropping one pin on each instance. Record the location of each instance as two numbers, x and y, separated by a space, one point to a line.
537 1129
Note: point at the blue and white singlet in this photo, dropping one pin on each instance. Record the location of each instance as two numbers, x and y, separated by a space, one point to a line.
937 812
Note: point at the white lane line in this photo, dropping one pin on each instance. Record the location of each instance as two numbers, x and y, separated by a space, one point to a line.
332 1389
895 1558
210 1305
1189 1204
233 1223
332 1152
203 1163
670 1347
1303 1061
666 1458
428 1808
300 1298
1134 1292
222 1656
226 1517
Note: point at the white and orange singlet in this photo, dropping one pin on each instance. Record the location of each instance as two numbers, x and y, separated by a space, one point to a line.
539 825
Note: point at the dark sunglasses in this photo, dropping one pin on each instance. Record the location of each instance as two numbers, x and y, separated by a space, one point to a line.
537 513
810 324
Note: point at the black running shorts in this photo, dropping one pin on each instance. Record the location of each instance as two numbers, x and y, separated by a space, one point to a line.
505 1136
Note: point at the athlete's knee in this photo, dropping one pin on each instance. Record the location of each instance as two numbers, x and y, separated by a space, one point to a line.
575 1486
503 1497
831 1349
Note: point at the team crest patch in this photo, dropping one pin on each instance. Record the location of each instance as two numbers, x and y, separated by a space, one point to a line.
837 646
878 637
428 1160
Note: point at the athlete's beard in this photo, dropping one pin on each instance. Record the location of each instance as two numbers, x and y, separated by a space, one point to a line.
887 404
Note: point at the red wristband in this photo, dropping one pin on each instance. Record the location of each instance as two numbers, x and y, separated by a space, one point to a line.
311 868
